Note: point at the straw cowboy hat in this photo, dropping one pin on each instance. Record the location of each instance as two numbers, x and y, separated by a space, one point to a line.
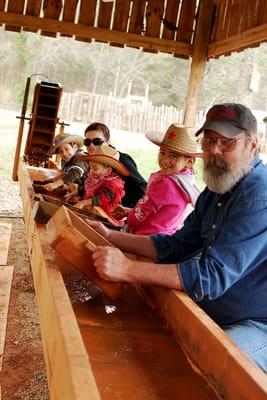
176 139
108 155
64 138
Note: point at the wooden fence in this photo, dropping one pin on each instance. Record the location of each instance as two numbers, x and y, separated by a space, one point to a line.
133 113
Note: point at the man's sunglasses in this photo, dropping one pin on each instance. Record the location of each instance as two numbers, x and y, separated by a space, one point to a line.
96 141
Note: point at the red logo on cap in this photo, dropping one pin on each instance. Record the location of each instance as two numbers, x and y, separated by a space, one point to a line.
222 114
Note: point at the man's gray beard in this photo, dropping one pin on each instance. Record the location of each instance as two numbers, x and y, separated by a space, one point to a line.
219 177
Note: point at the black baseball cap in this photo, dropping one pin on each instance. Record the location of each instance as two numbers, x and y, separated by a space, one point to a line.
229 120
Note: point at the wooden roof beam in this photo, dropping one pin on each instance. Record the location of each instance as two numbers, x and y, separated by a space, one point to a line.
238 42
101 34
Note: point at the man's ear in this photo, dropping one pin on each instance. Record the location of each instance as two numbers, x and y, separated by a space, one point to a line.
254 143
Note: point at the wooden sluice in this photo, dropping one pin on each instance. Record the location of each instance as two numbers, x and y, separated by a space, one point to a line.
106 349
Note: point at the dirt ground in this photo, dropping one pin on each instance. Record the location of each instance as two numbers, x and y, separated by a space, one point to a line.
23 373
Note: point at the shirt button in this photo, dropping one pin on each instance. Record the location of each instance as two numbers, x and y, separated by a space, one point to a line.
209 247
213 226
219 204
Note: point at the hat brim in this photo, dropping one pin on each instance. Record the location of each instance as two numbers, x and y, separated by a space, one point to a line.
70 139
178 151
110 161
222 127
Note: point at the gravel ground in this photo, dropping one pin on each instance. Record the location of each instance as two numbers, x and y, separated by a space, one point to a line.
23 370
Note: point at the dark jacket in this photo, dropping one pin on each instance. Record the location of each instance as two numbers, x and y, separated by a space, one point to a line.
135 185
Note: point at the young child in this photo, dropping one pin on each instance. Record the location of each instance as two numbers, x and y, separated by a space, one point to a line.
103 185
72 170
169 191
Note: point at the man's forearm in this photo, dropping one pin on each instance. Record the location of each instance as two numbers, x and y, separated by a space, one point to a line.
137 244
147 273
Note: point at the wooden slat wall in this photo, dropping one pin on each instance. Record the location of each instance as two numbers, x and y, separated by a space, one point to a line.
170 18
104 16
231 18
52 10
2 5
69 11
15 6
87 15
186 21
154 14
33 8
121 15
137 15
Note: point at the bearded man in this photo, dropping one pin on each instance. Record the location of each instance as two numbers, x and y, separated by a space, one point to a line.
219 257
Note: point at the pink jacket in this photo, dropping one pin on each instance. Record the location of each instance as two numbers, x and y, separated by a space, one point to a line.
163 207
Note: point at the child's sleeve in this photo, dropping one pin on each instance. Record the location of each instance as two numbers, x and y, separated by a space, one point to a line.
75 172
108 196
160 193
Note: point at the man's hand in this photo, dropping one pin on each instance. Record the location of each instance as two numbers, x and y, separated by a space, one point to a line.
112 265
99 227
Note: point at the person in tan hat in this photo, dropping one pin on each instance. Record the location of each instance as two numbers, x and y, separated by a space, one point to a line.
103 185
72 170
164 205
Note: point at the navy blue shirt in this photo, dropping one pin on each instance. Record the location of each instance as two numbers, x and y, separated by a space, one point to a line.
221 250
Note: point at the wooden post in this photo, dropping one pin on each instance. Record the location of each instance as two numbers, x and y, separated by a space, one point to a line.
199 58
21 127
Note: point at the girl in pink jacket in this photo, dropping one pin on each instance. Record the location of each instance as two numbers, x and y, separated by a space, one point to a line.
170 190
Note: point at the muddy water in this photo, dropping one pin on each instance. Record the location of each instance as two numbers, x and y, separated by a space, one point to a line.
132 353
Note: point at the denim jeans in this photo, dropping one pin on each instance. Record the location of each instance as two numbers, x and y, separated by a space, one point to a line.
251 337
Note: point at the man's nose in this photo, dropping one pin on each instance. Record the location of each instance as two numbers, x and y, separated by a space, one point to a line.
215 148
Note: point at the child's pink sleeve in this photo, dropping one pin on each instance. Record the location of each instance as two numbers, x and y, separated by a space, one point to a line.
158 194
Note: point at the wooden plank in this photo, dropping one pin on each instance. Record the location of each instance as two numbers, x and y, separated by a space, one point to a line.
234 27
202 36
225 21
170 19
104 15
2 5
218 22
243 40
51 10
186 21
6 273
102 34
73 239
5 233
14 6
87 16
121 15
137 17
230 372
69 11
154 15
68 367
33 8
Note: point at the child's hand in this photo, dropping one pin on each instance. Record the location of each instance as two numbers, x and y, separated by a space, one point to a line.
73 187
72 196
120 212
51 186
99 227
83 204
